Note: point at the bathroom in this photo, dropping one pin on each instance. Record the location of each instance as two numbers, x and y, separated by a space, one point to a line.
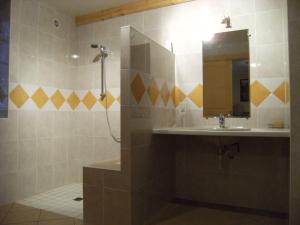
105 118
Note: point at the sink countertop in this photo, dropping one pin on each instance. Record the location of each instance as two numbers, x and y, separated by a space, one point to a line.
254 132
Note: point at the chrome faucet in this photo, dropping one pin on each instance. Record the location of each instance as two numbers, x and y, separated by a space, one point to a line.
222 121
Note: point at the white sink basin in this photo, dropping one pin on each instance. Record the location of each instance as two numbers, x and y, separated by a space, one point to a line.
231 129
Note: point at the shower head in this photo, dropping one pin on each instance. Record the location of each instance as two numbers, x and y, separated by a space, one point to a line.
97 58
103 52
94 46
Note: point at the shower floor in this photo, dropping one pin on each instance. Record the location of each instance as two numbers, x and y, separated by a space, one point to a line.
59 200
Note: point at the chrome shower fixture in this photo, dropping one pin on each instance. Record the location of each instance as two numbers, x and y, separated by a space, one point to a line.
101 56
103 53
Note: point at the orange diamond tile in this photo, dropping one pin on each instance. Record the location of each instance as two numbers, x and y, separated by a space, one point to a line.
282 92
119 99
177 95
197 95
40 98
165 93
138 88
58 99
73 100
89 100
258 93
153 92
18 96
107 101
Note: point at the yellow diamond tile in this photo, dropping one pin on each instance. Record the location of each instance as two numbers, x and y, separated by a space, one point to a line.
197 95
73 100
153 92
18 96
89 100
119 99
165 93
40 98
178 96
282 92
107 101
58 99
138 88
258 93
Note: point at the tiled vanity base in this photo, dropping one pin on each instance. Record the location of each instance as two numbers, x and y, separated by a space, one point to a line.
106 194
256 177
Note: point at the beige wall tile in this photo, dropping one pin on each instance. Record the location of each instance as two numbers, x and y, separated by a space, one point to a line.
9 127
45 46
271 60
45 124
265 5
29 37
60 174
9 187
45 152
29 13
28 155
27 124
269 28
241 7
27 183
9 157
45 178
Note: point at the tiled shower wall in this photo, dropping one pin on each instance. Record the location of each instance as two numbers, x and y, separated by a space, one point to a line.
56 121
148 104
294 53
33 143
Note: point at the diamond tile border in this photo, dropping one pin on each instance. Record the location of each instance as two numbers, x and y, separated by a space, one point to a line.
38 98
30 97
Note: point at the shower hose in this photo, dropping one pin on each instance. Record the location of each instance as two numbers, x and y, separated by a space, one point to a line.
116 139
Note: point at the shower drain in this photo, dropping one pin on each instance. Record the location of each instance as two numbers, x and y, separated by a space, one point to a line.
78 199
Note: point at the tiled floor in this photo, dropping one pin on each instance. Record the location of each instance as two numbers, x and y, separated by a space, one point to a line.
17 214
57 207
59 200
186 215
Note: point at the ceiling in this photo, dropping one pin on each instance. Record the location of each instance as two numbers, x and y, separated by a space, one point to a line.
81 7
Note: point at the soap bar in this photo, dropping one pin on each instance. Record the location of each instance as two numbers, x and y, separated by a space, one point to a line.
276 124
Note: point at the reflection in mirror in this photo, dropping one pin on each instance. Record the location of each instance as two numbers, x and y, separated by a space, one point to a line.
226 75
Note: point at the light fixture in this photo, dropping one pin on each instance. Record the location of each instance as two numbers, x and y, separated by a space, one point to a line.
226 21
74 56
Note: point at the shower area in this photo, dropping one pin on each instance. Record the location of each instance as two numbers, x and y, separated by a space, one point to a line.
82 105
59 107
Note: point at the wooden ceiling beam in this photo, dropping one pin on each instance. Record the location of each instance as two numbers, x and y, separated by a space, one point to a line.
125 9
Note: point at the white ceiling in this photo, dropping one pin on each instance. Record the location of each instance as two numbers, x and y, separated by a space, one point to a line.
80 7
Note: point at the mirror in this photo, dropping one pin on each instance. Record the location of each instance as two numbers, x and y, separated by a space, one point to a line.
226 75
